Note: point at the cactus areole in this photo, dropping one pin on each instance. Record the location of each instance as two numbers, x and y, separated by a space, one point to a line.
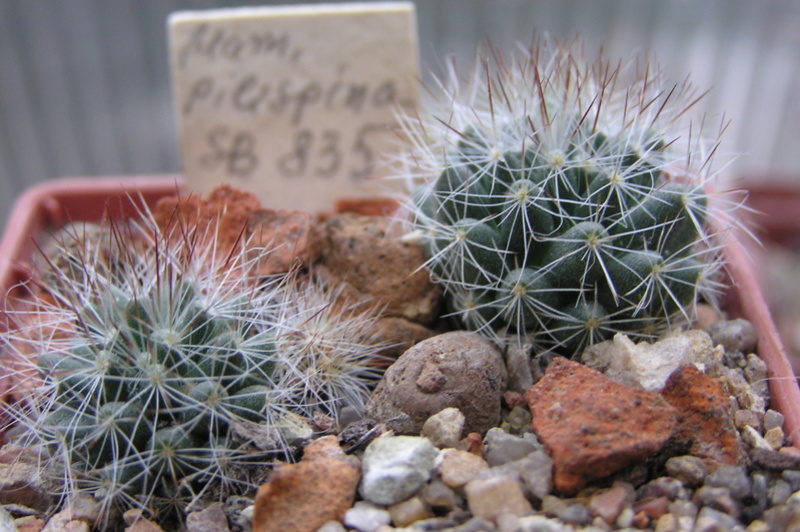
561 201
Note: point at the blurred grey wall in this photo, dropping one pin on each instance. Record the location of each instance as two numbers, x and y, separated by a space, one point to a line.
84 84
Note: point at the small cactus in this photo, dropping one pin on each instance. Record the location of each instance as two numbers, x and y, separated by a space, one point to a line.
152 368
562 201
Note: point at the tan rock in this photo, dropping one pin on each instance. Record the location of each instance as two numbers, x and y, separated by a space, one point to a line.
409 511
368 253
304 496
457 468
29 523
492 497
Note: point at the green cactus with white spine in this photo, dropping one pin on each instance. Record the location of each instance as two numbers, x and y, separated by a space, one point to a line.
155 363
558 203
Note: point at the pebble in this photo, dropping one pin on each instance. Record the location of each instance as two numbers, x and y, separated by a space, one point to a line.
409 511
670 488
755 440
440 496
535 471
690 470
492 497
540 523
332 526
459 467
502 447
778 492
22 483
609 503
749 418
734 335
717 498
366 517
444 428
209 519
793 478
732 478
773 419
63 521
774 437
29 523
760 483
393 469
711 520
7 523
756 374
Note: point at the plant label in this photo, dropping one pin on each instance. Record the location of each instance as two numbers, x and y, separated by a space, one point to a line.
296 104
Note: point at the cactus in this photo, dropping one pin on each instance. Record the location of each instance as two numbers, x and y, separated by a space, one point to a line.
558 204
155 366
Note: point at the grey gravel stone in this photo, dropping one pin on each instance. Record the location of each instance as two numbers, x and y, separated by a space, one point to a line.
502 447
440 496
717 498
475 524
756 374
711 520
793 478
540 523
536 474
760 483
22 483
7 522
778 492
395 468
732 478
683 509
773 419
748 418
210 519
734 335
690 470
668 487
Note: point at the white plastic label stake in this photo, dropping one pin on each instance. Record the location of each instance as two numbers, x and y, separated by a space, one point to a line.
293 103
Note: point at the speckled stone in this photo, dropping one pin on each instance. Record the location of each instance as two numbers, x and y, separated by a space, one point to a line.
456 369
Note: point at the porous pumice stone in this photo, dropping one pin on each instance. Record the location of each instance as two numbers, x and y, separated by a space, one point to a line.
457 369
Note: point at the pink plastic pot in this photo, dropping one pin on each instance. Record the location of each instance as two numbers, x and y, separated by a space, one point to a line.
50 205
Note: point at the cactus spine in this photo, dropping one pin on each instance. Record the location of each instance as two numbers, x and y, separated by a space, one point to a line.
561 200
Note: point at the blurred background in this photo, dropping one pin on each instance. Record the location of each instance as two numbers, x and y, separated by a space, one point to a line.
85 87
